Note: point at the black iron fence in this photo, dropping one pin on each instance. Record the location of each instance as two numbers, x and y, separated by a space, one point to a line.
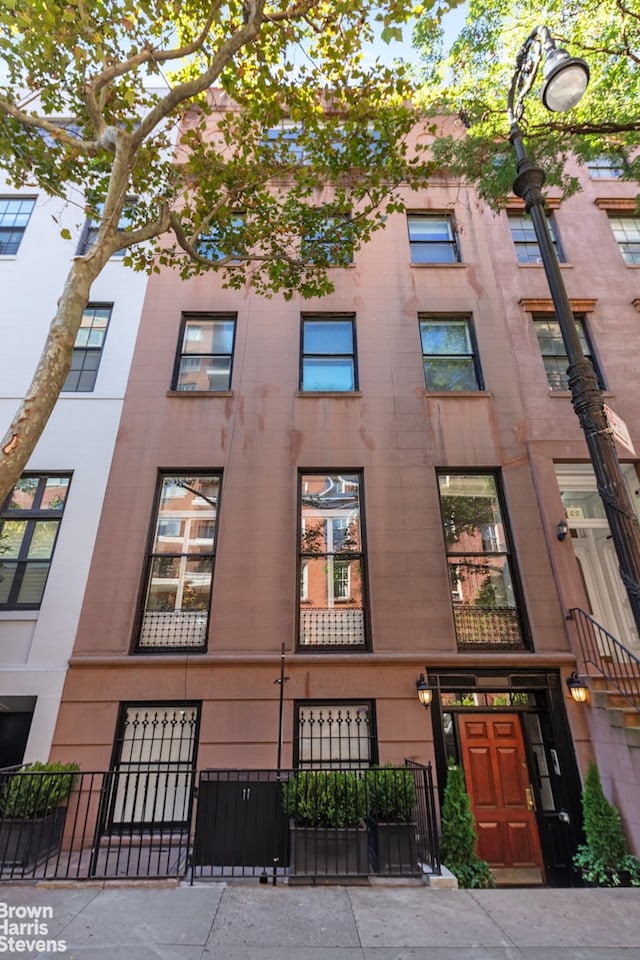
599 649
160 822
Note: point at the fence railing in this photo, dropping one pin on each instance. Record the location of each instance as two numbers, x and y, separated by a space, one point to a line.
601 650
249 823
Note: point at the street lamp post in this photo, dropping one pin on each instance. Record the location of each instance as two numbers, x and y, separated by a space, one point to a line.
565 80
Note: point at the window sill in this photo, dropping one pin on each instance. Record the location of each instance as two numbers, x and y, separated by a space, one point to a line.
447 266
329 393
19 614
458 393
199 393
528 266
8 256
566 394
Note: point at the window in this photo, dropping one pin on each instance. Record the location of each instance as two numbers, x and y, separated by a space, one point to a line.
329 242
448 354
331 562
553 351
180 566
29 523
92 226
87 351
223 240
483 591
155 753
626 230
328 354
206 352
334 735
14 217
524 238
606 168
432 238
283 142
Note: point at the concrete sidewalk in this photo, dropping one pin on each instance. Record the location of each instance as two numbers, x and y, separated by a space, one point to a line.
248 921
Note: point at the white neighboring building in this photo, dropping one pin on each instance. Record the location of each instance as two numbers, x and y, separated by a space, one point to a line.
40 601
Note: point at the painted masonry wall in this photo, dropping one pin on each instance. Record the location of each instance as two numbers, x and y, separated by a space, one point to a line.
264 431
79 438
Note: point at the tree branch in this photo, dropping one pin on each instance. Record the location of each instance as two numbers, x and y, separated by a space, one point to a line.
55 129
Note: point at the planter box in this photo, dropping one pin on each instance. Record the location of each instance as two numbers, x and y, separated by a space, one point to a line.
393 848
329 851
24 843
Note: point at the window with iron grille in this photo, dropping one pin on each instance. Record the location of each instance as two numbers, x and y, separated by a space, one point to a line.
154 764
87 351
525 241
332 605
334 735
448 354
14 217
328 360
205 355
486 603
177 597
626 230
432 238
553 350
29 523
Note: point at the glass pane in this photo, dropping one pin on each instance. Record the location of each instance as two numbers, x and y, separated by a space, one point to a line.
55 493
329 498
556 370
190 500
208 336
429 229
192 374
433 253
24 493
43 539
219 373
445 337
327 374
332 610
7 574
483 581
583 505
12 533
328 336
469 502
33 583
450 374
179 583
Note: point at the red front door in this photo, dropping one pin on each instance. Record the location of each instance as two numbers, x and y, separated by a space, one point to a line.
497 777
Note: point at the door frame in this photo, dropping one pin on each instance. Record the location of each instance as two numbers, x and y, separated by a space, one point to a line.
559 839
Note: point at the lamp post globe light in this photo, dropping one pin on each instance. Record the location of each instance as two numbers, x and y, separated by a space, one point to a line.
565 81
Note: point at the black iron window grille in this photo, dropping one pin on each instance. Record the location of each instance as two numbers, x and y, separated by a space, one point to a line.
29 523
179 575
155 754
335 736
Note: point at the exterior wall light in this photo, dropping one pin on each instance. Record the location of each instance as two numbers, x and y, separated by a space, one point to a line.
577 688
424 691
563 529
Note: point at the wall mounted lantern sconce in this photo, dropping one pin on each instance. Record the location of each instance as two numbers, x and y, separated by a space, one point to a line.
577 688
424 691
563 529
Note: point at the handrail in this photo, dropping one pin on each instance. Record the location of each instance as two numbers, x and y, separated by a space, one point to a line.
609 657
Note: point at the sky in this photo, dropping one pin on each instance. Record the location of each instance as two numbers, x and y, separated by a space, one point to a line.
452 22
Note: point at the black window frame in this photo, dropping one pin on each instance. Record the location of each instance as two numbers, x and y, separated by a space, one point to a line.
32 517
361 555
473 355
528 243
139 646
82 353
320 318
508 552
15 233
452 243
585 341
181 354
